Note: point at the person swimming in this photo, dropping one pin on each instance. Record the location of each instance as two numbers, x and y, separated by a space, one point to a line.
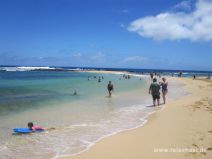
33 127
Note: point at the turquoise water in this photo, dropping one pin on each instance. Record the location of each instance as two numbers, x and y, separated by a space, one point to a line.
46 98
20 91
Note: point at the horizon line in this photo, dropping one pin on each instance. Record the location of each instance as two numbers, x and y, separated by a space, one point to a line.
152 69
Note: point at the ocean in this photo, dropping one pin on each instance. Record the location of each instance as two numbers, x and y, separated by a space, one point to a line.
44 96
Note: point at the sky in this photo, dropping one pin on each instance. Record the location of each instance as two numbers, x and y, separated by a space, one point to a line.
146 34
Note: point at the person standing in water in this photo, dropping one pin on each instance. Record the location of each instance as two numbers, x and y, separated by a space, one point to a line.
110 88
151 76
164 86
154 89
99 80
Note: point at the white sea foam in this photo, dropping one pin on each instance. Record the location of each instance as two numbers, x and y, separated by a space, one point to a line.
33 68
23 68
89 144
79 137
82 125
121 116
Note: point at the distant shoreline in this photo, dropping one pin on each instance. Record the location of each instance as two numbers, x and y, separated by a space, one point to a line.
136 74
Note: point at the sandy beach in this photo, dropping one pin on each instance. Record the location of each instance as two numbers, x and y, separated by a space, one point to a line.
104 72
77 79
183 129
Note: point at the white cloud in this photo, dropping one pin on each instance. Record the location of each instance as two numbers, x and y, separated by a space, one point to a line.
195 26
135 59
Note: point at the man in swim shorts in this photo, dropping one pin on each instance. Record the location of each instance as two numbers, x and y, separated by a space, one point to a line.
154 89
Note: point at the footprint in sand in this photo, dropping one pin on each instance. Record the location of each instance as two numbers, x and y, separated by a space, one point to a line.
195 145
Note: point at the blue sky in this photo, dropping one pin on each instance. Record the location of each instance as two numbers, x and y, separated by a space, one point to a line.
160 34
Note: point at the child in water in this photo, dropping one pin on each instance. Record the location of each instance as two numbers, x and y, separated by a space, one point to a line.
33 127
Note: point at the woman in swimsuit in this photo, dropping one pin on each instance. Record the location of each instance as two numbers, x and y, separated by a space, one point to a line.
164 85
110 88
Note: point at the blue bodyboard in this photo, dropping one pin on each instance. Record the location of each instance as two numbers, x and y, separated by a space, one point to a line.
25 130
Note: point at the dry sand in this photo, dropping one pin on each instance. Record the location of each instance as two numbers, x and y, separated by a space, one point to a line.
184 123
